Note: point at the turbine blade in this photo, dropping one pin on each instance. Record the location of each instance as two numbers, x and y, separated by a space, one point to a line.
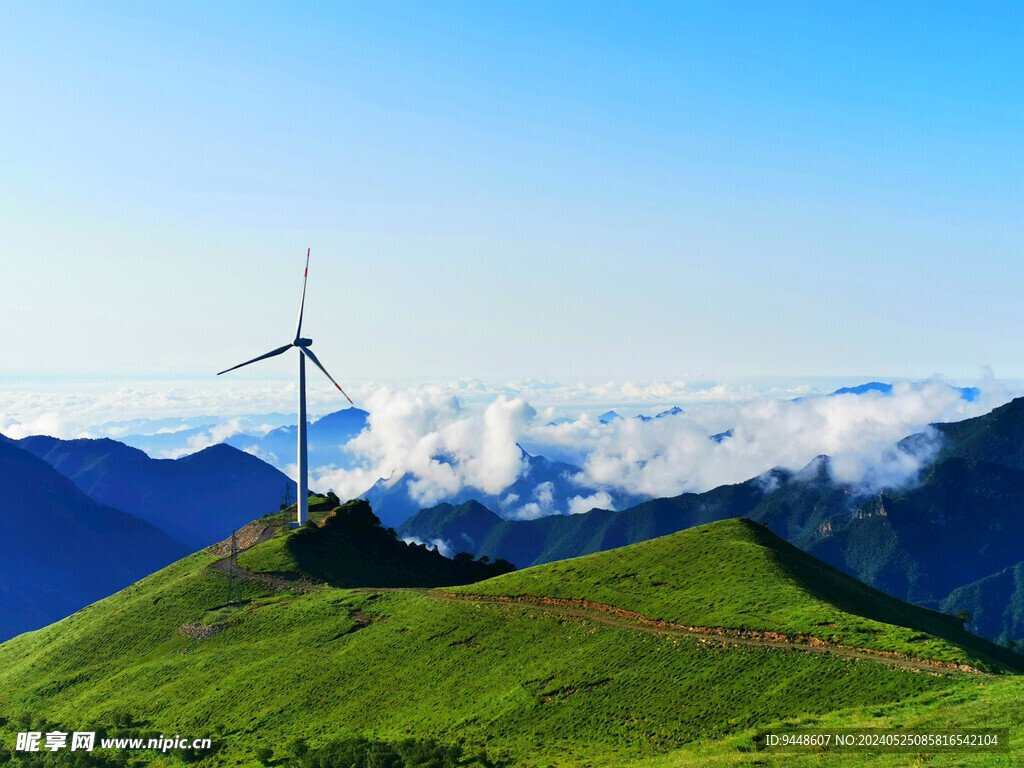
311 356
302 302
277 351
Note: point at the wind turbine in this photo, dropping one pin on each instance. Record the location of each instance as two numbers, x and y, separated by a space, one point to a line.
302 506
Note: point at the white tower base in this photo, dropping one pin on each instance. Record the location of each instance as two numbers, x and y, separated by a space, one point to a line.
302 502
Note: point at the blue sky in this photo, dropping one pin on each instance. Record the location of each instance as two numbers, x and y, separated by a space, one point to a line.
561 190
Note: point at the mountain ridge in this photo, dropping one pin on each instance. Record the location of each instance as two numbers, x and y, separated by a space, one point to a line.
62 550
545 488
198 499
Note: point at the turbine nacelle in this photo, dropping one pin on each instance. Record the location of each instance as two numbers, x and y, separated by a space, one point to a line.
302 342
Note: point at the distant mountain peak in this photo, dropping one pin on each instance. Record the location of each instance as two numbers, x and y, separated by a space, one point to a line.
197 499
675 410
968 394
861 389
718 438
817 469
63 550
344 417
217 448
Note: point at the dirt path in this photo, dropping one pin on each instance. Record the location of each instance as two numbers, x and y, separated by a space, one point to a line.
606 614
248 537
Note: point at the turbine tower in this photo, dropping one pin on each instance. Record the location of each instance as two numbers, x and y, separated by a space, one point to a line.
302 505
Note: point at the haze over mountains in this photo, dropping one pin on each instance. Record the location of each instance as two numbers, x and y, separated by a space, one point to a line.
325 438
446 441
442 448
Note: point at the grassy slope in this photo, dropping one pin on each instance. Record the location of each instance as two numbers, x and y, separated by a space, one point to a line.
737 574
273 556
534 687
993 705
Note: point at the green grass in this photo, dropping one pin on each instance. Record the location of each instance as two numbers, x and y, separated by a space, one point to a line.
273 556
319 508
737 574
522 683
995 704
532 686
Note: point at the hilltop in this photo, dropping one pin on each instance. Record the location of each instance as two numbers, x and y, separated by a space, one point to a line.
738 575
527 683
346 545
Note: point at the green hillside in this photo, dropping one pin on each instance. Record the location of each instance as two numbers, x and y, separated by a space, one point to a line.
514 684
737 574
990 705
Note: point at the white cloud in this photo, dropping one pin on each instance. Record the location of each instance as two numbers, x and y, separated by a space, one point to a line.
85 406
891 467
47 423
441 545
580 504
347 483
543 503
214 435
465 433
427 433
171 430
530 511
668 456
217 433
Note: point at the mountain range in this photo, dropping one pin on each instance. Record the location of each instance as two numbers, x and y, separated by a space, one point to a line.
970 394
952 539
544 488
62 550
949 541
543 540
675 649
197 499
325 438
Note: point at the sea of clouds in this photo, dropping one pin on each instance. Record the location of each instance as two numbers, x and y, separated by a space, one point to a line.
467 434
427 433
